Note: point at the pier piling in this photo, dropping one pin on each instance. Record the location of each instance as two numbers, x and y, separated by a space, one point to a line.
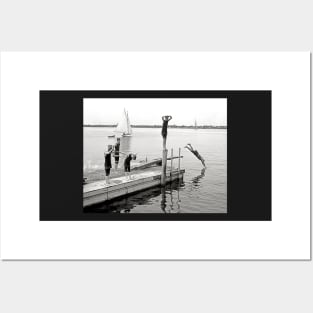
179 159
171 162
165 120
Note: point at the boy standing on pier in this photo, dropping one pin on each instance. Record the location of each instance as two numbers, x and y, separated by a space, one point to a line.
129 157
107 163
117 152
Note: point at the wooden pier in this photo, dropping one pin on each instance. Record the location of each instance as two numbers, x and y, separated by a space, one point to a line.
99 191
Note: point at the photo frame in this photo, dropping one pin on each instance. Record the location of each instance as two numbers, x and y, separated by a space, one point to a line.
67 108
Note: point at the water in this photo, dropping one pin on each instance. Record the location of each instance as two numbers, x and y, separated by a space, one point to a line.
202 191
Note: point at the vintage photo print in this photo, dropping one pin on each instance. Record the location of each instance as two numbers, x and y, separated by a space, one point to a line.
155 156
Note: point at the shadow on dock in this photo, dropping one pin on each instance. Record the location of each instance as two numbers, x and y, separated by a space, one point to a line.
169 200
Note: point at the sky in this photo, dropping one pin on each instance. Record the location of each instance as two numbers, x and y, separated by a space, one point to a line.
150 111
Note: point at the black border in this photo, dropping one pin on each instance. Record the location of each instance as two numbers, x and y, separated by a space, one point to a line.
248 155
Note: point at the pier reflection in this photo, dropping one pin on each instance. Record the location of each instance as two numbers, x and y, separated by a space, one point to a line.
168 198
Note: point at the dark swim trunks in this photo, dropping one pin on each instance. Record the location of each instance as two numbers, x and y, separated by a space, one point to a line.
127 163
117 149
107 171
107 160
196 153
117 158
107 163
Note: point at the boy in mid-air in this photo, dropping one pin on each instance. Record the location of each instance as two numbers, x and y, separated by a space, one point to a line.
196 153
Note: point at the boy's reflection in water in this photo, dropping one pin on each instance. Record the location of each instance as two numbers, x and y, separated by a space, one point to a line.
196 180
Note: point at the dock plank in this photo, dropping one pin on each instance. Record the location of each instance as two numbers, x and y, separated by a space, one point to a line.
99 191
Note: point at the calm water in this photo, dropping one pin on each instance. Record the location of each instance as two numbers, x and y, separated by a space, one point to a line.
202 191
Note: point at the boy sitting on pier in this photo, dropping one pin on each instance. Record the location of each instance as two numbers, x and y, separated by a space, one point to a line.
196 153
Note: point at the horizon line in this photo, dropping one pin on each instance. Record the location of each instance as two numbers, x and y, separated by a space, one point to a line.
153 125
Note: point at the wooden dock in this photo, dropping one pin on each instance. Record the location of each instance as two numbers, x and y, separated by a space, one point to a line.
99 191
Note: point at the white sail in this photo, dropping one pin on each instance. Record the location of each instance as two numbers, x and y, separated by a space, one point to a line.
129 129
123 127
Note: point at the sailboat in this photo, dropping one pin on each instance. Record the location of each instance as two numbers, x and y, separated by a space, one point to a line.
196 125
123 128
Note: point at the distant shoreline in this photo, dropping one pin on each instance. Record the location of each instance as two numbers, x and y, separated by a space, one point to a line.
160 126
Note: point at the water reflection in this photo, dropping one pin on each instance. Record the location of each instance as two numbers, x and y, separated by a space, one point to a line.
170 201
163 199
196 180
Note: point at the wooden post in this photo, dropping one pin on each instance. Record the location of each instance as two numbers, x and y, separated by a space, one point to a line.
164 161
178 162
171 162
165 120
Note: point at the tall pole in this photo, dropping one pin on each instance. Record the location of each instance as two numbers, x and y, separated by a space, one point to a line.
164 161
178 162
171 162
165 120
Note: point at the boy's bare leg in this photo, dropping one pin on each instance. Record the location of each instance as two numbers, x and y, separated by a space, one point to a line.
189 147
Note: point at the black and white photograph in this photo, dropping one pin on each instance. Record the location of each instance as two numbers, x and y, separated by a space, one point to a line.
155 155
